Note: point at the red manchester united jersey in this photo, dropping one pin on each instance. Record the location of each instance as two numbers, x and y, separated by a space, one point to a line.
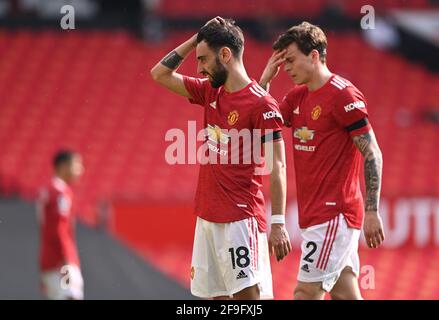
58 244
231 190
327 163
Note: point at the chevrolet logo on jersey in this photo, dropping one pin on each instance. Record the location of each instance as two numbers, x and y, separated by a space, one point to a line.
214 134
304 134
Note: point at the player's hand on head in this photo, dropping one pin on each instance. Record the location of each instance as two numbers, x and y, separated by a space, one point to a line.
217 19
373 229
279 241
277 58
273 66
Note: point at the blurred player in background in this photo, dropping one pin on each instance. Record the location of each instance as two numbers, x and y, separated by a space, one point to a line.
61 277
331 131
230 254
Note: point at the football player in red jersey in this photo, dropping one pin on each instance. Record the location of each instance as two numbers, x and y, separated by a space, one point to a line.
231 252
61 277
332 139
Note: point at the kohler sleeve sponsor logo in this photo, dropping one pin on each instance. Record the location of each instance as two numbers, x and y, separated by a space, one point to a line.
354 105
271 114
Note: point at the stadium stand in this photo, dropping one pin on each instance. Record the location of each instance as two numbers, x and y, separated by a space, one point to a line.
102 101
279 8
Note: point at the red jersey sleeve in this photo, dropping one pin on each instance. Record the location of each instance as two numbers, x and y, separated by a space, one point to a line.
290 104
286 108
63 205
198 89
63 225
267 117
350 111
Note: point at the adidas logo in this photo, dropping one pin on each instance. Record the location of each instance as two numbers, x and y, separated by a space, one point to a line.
296 111
305 268
213 104
241 275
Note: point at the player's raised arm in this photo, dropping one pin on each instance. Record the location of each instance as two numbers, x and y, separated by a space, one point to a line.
373 165
279 240
164 72
272 68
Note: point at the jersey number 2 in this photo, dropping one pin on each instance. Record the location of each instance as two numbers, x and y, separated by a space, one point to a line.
307 258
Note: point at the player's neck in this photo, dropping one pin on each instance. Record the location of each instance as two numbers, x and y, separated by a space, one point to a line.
320 77
62 178
237 79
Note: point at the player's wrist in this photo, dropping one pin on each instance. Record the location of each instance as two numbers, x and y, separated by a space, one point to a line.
278 219
264 81
193 41
264 84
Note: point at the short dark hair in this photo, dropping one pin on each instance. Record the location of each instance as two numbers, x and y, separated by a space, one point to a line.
218 35
63 156
307 37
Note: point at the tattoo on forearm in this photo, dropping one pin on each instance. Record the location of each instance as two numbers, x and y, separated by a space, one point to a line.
372 174
372 170
363 142
172 60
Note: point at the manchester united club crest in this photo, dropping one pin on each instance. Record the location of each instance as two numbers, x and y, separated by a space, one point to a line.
232 118
316 112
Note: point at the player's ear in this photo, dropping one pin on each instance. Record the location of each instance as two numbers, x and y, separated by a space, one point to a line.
315 56
225 54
